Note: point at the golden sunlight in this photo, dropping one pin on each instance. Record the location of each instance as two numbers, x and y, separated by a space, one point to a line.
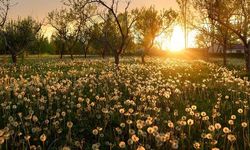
48 31
176 42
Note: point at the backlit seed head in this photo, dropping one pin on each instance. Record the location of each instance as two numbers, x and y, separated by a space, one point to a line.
34 118
230 122
140 148
244 124
233 117
66 148
203 114
95 131
194 107
217 126
231 137
209 136
240 111
170 124
129 121
63 113
122 144
96 146
150 130
190 122
27 137
226 130
43 137
130 142
214 142
211 128
196 145
155 128
1 140
135 138
122 111
122 125
69 124
175 145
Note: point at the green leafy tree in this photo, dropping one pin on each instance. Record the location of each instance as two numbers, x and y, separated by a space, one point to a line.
83 17
19 35
238 23
105 36
214 31
42 46
123 21
98 40
67 30
151 23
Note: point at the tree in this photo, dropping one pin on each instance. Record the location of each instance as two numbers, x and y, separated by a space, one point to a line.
85 40
19 35
238 23
105 36
213 30
4 9
123 21
82 19
41 46
67 30
100 39
58 45
151 23
97 38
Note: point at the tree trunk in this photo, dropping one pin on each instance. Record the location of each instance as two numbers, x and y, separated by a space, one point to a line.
224 57
225 52
14 58
62 51
71 55
143 58
247 54
103 53
61 54
117 60
85 53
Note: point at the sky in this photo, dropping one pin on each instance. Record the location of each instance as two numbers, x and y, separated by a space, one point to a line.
39 9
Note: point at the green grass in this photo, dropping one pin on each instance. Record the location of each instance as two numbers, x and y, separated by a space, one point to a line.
90 104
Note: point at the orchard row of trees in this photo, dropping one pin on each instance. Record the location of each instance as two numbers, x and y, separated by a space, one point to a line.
223 22
111 27
103 27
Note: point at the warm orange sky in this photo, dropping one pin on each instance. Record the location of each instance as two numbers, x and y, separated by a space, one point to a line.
39 8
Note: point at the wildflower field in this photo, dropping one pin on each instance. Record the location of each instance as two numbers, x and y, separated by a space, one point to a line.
90 104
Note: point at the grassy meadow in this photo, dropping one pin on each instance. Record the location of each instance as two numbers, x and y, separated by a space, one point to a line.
90 104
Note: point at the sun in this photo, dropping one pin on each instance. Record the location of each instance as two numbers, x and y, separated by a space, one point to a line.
176 42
